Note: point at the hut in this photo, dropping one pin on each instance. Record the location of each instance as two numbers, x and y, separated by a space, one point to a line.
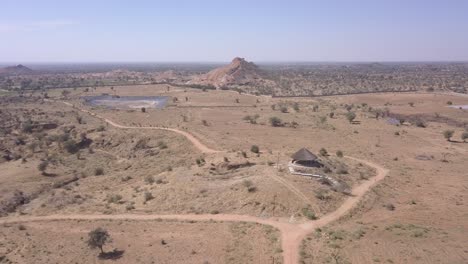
304 157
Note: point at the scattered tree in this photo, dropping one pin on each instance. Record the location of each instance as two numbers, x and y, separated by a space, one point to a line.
98 238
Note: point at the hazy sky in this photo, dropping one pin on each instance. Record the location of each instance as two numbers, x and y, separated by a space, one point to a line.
197 30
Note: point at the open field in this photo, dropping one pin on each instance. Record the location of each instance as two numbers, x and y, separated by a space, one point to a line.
131 164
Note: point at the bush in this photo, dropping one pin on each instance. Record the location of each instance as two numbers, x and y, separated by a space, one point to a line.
149 179
449 102
143 110
113 198
464 136
323 152
284 109
43 166
162 145
200 161
309 214
322 194
27 126
98 171
448 134
342 170
420 123
148 196
296 107
255 149
275 121
339 154
350 116
71 146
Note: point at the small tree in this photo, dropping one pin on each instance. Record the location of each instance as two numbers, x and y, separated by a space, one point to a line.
464 136
350 116
98 238
43 167
448 134
255 149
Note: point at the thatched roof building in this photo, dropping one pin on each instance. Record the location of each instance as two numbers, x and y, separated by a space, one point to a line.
305 158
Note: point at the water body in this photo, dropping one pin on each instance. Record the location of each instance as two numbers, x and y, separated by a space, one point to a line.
459 106
122 102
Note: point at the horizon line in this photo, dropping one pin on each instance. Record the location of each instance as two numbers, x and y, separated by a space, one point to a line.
218 62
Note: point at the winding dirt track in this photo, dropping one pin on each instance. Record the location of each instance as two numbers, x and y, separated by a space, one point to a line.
202 147
292 234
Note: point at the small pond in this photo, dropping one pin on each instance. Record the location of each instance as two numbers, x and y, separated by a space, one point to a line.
112 101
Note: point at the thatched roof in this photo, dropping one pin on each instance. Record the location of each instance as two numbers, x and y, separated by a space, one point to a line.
304 155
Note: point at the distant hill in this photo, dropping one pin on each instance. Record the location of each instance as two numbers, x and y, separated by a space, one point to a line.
238 72
16 70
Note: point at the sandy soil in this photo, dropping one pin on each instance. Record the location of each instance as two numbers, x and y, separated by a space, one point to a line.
418 208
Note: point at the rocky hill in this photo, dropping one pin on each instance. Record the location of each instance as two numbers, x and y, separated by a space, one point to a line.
15 70
238 73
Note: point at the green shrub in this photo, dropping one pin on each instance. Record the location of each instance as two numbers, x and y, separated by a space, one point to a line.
98 171
149 179
448 134
339 154
350 116
148 196
255 149
323 152
71 146
308 213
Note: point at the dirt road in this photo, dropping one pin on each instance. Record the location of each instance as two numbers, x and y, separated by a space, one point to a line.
292 234
202 147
